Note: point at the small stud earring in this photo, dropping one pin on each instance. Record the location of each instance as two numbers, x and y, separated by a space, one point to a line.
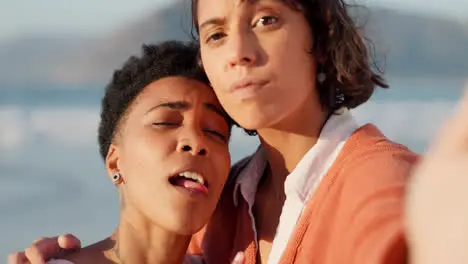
117 178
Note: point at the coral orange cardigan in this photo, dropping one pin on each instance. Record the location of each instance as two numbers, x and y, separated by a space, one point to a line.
354 217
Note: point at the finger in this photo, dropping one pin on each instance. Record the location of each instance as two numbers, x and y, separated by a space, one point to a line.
17 258
38 240
69 241
464 105
43 249
461 112
34 255
239 258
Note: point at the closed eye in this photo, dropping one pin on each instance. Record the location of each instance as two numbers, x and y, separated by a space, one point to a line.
165 124
217 134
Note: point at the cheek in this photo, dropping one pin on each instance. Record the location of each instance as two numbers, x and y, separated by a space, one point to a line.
142 155
224 99
221 87
300 70
143 171
214 66
292 51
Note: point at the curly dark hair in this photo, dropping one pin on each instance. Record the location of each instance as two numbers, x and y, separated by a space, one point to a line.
170 58
352 76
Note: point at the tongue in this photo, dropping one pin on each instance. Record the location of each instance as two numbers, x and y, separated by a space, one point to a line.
191 185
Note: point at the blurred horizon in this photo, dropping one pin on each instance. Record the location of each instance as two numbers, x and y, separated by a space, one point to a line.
410 43
27 18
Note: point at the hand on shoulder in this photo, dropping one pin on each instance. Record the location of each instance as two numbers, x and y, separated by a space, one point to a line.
43 249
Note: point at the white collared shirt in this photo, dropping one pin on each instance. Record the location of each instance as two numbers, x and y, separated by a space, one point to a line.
301 183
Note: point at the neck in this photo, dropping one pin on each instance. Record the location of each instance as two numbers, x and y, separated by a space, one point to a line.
286 143
137 240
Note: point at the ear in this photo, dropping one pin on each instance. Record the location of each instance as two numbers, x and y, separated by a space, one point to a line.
318 52
320 56
321 60
112 161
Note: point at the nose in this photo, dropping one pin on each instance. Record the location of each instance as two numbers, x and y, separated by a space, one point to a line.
242 49
192 150
194 145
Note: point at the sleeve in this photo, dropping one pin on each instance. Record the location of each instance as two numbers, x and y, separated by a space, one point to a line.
195 246
375 193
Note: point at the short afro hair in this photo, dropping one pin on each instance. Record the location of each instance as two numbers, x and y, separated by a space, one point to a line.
169 58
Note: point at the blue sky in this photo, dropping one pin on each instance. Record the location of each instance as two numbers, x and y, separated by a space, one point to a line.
20 17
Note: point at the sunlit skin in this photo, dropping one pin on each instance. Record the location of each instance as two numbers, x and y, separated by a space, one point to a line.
257 55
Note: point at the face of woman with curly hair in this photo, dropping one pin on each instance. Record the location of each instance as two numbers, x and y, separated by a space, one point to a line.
172 151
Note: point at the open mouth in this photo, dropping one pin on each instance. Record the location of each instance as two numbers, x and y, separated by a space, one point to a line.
192 181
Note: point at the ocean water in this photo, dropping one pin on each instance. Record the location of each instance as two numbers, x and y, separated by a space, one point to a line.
52 180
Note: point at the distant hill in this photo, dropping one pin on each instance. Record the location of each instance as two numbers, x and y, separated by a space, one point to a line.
32 59
417 45
407 45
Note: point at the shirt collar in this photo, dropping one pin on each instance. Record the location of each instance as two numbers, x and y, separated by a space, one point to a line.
248 178
317 161
308 171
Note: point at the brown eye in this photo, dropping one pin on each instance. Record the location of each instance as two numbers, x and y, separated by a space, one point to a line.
215 37
266 21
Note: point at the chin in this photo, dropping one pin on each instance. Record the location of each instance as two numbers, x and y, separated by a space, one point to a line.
255 118
254 122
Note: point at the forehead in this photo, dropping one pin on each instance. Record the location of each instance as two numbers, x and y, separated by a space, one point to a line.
175 89
208 8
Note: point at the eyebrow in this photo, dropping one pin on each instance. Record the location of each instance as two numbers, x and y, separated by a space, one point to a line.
214 21
178 105
218 111
184 105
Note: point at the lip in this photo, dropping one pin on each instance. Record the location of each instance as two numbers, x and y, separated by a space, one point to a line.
191 169
247 87
185 190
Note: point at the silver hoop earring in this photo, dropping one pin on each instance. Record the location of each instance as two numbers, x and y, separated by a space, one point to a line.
117 178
